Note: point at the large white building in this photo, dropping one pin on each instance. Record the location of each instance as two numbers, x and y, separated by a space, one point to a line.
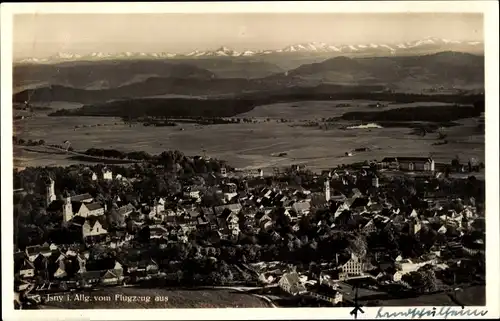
409 163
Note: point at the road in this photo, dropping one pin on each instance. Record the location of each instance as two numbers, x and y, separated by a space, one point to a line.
73 153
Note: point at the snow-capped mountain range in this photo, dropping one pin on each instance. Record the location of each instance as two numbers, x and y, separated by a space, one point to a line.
437 44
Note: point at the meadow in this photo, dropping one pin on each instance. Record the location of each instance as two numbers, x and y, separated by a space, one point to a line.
252 145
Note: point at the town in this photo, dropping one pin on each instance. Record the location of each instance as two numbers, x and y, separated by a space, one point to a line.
402 227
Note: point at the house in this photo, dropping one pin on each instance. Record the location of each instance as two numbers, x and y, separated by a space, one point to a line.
344 206
192 193
113 275
107 174
148 265
232 221
110 278
290 283
89 278
159 205
409 163
82 198
234 208
93 227
125 210
302 208
389 163
33 251
23 285
298 168
27 269
369 227
157 231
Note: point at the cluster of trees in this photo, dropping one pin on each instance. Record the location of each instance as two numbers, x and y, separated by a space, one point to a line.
423 280
173 161
19 141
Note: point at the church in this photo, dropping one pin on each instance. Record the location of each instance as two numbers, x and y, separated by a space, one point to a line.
80 210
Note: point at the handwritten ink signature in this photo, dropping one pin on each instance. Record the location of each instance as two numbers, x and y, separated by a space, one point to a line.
419 313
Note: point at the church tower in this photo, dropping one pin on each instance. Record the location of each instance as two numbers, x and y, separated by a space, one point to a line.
67 210
50 194
327 190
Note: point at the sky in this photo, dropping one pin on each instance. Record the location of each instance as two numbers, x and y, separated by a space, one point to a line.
46 34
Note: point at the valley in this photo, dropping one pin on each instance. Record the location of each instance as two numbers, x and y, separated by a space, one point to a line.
253 145
274 110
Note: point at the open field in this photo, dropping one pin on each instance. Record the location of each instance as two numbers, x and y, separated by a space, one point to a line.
312 110
253 145
178 298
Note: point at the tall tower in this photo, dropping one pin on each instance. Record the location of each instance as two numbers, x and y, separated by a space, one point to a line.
67 210
50 194
375 182
327 190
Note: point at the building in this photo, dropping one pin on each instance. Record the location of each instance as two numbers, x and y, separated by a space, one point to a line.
72 209
353 267
409 163
369 227
327 190
406 266
290 283
83 198
27 269
34 251
93 227
302 208
107 174
50 194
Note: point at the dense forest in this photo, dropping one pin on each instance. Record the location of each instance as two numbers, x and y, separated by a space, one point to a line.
228 107
424 113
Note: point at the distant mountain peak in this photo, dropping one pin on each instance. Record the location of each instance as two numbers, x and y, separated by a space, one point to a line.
425 45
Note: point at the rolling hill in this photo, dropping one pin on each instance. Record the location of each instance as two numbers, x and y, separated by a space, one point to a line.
229 67
115 73
442 69
104 74
401 74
